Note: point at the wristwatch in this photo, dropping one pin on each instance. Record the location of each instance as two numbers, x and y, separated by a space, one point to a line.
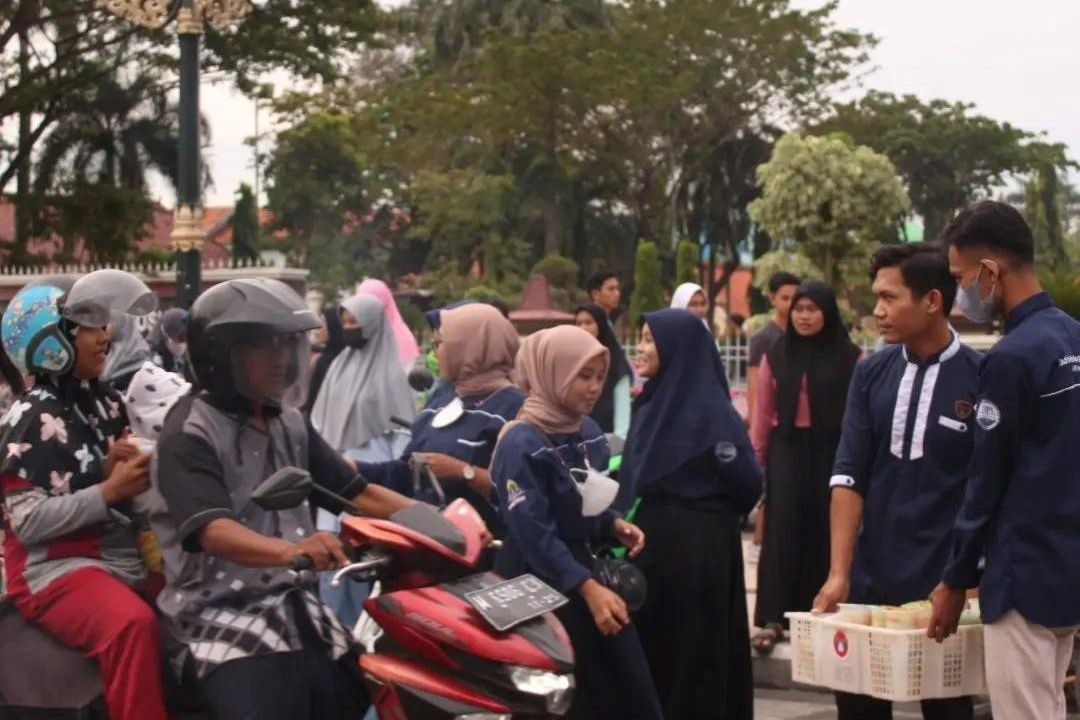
469 473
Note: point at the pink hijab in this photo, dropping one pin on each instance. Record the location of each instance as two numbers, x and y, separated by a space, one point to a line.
478 349
407 348
547 364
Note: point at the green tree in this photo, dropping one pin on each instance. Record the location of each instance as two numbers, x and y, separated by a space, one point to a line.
245 225
108 219
687 259
828 197
316 193
608 128
113 136
947 154
56 56
648 287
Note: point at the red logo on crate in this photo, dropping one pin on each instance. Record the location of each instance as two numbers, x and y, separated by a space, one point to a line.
840 644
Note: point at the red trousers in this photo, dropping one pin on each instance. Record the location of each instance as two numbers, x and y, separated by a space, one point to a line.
92 611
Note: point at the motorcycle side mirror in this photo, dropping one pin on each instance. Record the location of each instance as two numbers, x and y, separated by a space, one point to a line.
287 488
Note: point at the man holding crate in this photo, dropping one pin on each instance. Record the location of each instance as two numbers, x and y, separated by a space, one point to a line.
900 470
1021 511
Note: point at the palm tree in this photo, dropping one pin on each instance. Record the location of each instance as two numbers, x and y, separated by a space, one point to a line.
113 136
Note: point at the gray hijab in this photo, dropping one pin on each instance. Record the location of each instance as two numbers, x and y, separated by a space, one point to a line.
363 388
129 350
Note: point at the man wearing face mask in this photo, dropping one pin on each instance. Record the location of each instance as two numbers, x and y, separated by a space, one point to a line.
1023 494
170 340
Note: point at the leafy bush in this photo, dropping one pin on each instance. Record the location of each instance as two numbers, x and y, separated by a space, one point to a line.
561 272
687 258
648 289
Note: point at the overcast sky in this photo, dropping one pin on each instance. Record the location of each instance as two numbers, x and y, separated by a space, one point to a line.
1018 62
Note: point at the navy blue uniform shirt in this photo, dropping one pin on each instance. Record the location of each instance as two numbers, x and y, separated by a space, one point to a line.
1022 506
546 532
471 439
905 447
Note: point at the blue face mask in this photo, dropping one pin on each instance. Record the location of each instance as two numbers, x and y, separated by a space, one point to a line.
974 307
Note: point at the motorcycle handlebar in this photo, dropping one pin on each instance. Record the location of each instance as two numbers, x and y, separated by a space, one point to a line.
357 567
301 562
401 421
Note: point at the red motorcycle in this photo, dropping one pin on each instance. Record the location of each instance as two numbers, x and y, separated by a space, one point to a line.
457 645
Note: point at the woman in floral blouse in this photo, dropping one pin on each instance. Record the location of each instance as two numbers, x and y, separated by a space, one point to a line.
67 477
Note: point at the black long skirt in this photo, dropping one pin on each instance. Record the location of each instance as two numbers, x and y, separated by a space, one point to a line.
795 551
610 672
694 625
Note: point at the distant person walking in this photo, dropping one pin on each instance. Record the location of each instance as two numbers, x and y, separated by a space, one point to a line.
612 410
605 291
802 388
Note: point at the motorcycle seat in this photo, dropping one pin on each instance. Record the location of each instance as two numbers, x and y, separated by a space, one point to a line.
73 681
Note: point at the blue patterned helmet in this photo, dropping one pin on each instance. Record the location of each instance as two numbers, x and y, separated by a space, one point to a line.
32 335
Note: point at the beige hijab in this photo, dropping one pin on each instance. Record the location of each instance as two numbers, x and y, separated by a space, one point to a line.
546 366
479 347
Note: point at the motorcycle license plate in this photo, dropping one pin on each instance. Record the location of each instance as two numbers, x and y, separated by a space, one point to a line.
512 602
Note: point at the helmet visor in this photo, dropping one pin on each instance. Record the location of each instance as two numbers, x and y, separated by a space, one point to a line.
273 372
103 296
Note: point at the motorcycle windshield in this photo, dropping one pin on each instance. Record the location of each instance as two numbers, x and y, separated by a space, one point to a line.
100 298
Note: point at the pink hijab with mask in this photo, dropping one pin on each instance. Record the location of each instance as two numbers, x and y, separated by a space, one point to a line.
407 348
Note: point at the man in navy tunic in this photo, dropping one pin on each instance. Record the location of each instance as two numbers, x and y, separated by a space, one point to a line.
1021 513
901 467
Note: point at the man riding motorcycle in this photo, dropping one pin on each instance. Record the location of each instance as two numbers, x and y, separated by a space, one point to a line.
253 634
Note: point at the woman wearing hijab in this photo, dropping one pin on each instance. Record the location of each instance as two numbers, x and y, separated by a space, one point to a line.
555 504
476 347
691 297
407 348
365 384
802 389
612 411
690 460
333 342
128 350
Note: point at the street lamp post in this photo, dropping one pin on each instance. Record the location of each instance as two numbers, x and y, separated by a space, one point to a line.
187 234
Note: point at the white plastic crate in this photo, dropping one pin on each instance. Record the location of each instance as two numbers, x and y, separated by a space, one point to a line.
897 665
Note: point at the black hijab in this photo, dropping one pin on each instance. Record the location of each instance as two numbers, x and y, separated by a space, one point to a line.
684 412
826 359
604 412
335 343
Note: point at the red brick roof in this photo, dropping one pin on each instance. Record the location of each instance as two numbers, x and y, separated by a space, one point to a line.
215 222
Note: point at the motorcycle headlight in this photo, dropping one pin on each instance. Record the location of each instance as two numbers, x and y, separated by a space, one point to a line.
557 690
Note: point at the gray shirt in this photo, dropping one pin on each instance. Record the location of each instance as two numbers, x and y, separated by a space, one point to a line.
206 467
762 341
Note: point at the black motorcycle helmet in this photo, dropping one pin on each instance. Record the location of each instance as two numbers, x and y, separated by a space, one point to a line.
247 312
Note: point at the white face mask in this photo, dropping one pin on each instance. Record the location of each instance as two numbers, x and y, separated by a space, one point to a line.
176 348
598 491
449 415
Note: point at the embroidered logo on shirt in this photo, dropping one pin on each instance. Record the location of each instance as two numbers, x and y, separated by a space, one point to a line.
726 452
514 495
963 409
988 416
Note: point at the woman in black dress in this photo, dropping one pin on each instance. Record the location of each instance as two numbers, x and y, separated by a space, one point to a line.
690 460
802 390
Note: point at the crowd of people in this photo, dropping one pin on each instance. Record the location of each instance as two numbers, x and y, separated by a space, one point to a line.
919 471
